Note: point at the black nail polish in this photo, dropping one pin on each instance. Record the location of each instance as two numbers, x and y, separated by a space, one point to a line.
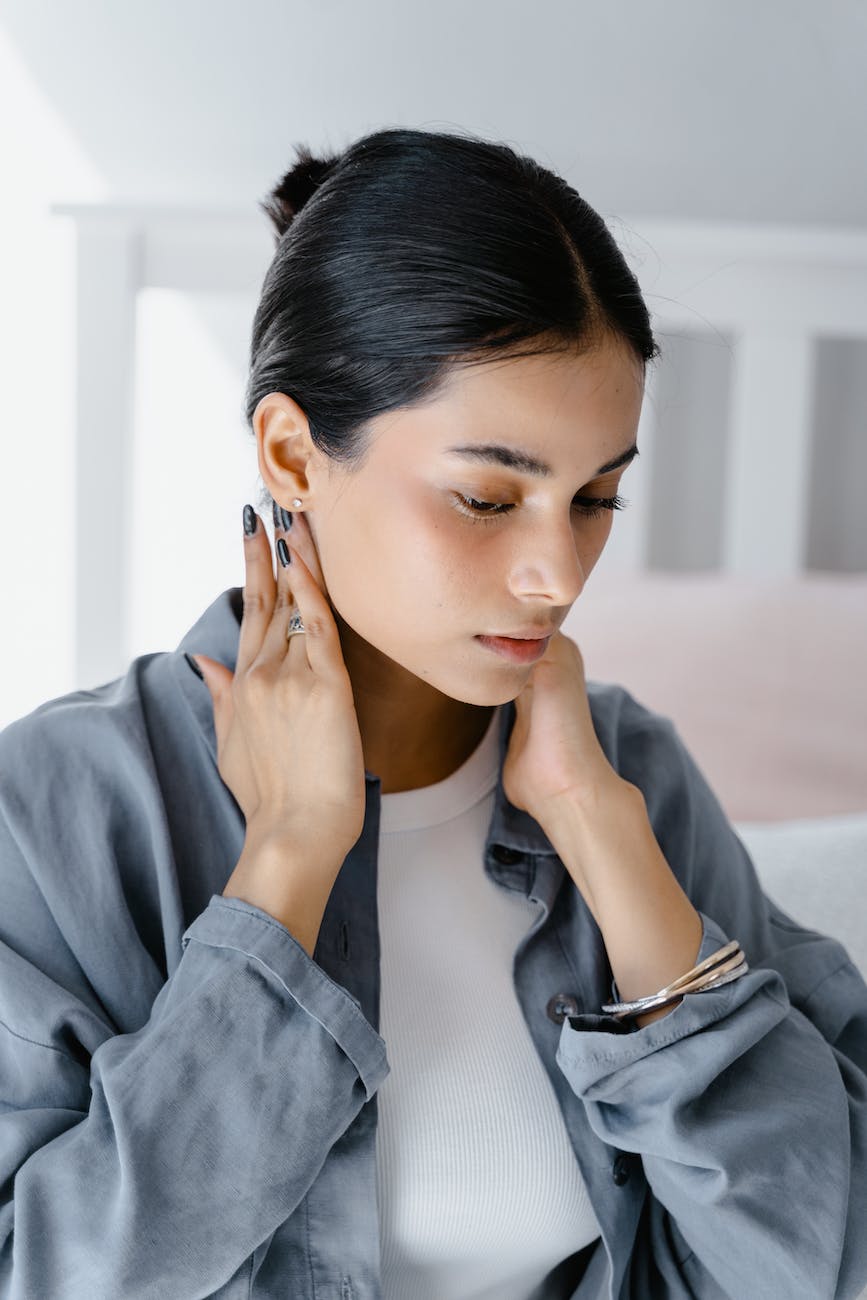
250 520
195 667
275 515
283 552
282 518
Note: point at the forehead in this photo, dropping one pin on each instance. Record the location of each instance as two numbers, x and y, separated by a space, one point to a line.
539 405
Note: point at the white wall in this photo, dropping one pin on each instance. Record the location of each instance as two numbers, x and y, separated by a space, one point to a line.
36 387
692 108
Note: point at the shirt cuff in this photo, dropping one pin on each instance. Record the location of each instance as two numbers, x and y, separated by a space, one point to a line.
594 1046
232 923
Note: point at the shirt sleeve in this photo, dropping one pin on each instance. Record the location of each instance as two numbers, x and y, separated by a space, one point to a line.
746 1104
154 1162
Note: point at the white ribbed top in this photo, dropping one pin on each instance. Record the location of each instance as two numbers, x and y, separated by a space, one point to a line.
479 1191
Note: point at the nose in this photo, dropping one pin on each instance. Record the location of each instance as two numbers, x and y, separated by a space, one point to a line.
548 565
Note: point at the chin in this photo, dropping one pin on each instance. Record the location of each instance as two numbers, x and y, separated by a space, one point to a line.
483 697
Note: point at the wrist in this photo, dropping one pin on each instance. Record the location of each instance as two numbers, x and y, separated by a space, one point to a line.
649 926
285 877
577 820
279 840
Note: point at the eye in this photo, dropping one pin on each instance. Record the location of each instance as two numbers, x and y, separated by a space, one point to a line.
587 507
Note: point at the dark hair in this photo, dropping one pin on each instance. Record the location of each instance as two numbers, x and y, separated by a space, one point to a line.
415 251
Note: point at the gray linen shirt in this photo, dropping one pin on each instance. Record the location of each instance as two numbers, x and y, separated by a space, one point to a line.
189 1100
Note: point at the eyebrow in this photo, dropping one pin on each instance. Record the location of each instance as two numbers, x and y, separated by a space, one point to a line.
495 453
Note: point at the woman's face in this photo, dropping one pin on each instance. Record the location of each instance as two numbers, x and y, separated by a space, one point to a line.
411 569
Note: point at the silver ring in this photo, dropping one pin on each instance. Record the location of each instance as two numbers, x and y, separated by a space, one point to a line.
296 624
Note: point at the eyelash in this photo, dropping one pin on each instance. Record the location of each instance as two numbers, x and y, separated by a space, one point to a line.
478 510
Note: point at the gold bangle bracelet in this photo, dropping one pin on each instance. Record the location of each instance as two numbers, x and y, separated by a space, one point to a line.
726 964
621 1010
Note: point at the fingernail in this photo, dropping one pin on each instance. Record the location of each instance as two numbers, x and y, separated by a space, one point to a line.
282 518
250 520
195 667
283 552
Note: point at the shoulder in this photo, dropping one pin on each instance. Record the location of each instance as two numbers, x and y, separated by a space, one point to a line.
646 748
77 771
81 813
629 731
82 731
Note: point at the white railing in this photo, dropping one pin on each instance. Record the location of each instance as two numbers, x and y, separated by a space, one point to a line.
774 290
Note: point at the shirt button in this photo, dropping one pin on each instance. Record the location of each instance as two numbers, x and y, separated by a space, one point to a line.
507 856
560 1006
620 1170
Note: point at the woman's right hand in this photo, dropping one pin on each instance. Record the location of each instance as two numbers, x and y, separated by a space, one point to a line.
288 742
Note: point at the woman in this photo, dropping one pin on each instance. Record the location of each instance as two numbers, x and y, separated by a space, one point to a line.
389 814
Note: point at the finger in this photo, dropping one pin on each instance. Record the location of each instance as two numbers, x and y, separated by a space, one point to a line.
218 680
321 641
259 595
275 642
303 541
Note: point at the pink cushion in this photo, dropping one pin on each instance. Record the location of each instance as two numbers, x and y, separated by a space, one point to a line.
764 678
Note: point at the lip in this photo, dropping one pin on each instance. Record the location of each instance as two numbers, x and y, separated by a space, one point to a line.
525 634
519 650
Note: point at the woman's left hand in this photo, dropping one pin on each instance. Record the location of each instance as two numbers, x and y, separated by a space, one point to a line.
554 756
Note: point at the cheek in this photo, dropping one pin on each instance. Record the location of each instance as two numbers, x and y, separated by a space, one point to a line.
393 565
591 542
436 572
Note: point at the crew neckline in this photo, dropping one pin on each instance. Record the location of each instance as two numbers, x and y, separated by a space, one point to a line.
430 805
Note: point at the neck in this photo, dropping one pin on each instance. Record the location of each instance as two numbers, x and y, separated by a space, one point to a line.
411 734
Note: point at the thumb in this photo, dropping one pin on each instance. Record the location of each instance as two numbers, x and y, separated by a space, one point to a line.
218 680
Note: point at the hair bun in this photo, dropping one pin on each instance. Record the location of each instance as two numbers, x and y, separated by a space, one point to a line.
290 194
